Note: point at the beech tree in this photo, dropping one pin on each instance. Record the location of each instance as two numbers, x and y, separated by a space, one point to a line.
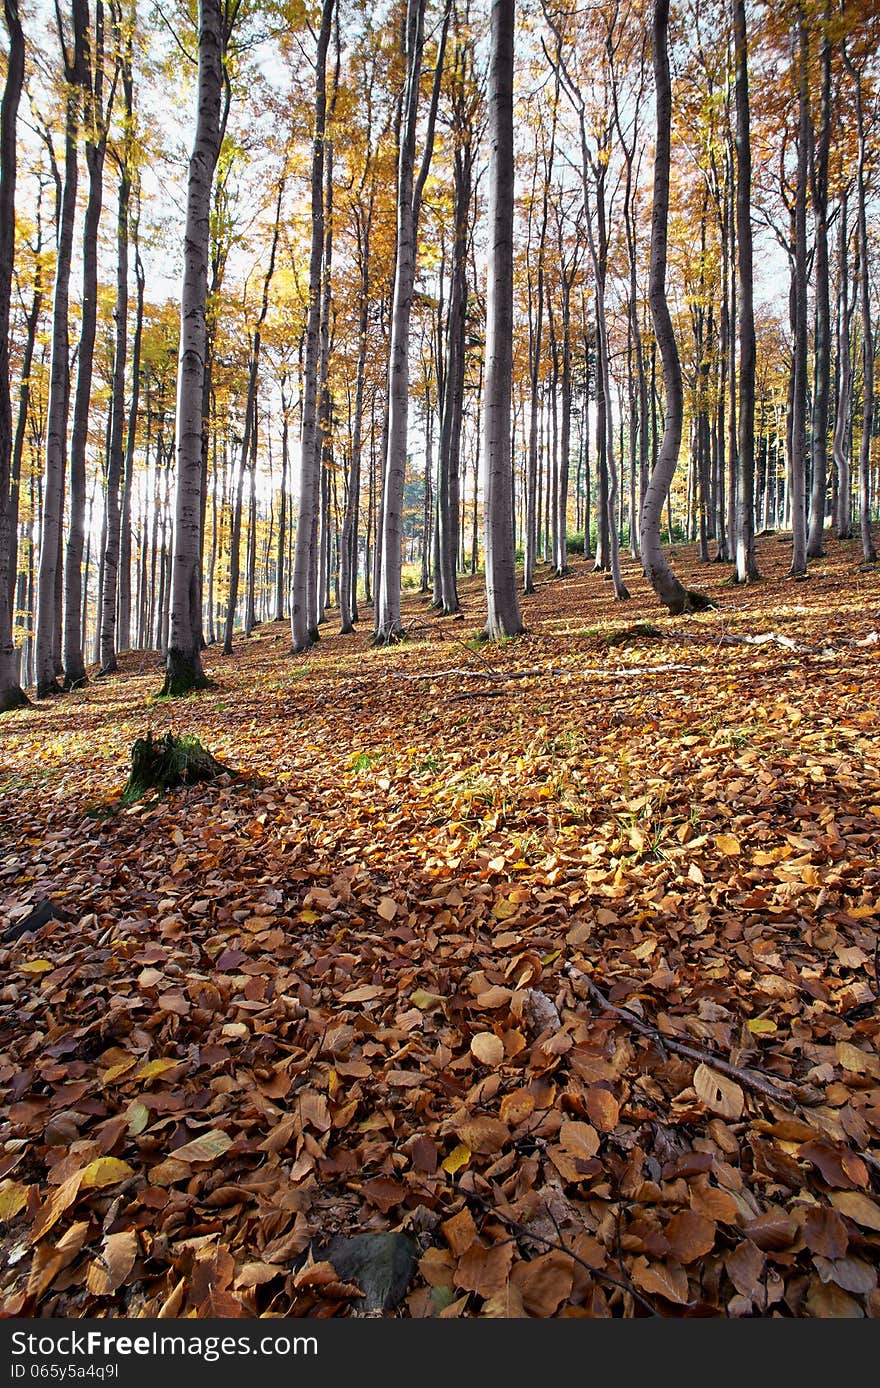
503 616
11 693
183 668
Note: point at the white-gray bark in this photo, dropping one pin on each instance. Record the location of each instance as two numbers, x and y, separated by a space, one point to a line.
183 670
503 617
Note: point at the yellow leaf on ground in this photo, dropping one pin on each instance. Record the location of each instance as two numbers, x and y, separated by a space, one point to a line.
458 1157
728 845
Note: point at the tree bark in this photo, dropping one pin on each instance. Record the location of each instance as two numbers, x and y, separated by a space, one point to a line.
183 670
410 188
49 590
746 564
818 498
303 632
11 693
503 618
657 568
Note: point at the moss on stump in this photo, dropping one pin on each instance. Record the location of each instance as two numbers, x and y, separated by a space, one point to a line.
167 762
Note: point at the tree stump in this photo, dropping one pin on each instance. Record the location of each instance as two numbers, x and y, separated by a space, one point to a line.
167 762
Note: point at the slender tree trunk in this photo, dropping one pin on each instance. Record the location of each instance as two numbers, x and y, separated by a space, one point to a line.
96 147
746 565
503 618
303 631
818 499
11 693
123 632
656 566
843 513
869 552
799 403
184 663
49 581
115 459
410 188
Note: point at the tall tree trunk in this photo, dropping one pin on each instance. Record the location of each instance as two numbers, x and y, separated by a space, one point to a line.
656 566
410 189
11 693
183 661
115 460
250 425
97 119
123 634
503 618
843 512
280 568
49 581
303 631
799 372
818 498
746 565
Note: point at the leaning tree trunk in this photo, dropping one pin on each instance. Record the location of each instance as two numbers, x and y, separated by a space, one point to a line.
503 617
656 566
49 591
11 693
746 564
183 666
302 633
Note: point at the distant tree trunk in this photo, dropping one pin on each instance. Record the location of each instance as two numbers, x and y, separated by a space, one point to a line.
348 576
656 566
503 618
843 513
303 631
250 424
96 148
818 499
449 466
49 581
410 189
280 569
250 606
115 459
799 372
183 662
123 634
11 693
746 565
869 552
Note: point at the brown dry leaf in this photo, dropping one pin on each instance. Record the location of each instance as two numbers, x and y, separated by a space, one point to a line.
661 1279
113 1263
506 1304
858 1207
459 1231
207 1146
487 1048
720 1094
603 1108
484 1135
484 1270
544 1282
826 1300
690 1236
579 1139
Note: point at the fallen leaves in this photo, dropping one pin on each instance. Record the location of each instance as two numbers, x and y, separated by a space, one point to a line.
340 1001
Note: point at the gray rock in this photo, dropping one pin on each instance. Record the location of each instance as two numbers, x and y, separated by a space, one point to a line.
382 1264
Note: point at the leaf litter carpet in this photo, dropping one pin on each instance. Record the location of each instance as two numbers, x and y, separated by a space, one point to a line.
571 975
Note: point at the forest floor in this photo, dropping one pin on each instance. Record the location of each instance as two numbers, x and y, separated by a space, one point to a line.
367 987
